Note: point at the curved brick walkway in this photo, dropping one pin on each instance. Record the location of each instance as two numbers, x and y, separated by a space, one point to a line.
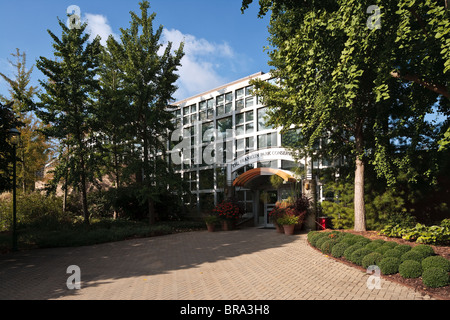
247 264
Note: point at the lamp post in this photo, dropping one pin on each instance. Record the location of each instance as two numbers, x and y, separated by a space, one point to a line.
14 136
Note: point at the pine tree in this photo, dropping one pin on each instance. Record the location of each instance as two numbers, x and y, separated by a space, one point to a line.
68 108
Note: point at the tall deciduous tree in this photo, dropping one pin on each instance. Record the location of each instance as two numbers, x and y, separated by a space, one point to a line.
363 85
34 150
68 108
149 71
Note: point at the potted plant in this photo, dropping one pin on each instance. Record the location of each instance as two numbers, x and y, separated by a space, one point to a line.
300 207
277 212
211 221
288 221
229 211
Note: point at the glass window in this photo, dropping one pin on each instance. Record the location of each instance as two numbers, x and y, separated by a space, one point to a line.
239 104
220 99
249 116
206 179
228 107
248 90
220 110
223 125
250 143
210 103
240 144
267 140
240 118
193 118
202 105
291 138
186 120
240 130
207 126
262 119
202 115
210 113
193 108
186 110
229 97
249 128
249 102
239 93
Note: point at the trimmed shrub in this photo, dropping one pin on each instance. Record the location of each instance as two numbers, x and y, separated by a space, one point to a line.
382 249
315 237
364 240
410 269
435 277
424 250
349 251
311 234
393 253
372 259
350 240
403 248
358 255
373 245
338 249
390 244
436 262
412 255
389 265
321 241
327 246
380 241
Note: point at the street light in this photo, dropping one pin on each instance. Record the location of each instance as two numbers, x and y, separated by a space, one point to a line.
14 138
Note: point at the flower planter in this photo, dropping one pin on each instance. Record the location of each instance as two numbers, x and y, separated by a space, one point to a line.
211 227
279 228
227 225
289 229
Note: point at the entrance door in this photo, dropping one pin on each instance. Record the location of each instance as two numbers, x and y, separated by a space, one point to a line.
269 203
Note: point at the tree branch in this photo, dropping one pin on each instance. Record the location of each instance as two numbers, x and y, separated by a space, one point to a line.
439 89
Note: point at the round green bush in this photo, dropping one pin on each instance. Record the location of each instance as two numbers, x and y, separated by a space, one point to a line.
349 240
316 237
380 241
410 269
358 255
435 277
389 265
424 250
436 262
382 249
412 255
327 246
349 251
393 253
390 244
403 248
372 259
311 234
364 240
338 249
373 245
320 241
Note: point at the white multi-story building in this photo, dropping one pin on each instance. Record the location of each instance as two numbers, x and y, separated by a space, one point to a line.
223 142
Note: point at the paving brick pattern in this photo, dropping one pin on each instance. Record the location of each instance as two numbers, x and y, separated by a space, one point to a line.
247 264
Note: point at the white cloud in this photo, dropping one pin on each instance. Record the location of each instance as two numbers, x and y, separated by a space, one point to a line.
98 26
203 65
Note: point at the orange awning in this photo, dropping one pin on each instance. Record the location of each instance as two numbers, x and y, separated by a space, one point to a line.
246 177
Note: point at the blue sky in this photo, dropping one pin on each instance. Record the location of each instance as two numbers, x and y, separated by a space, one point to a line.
221 44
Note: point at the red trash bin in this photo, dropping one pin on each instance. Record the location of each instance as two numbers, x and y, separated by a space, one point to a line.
324 223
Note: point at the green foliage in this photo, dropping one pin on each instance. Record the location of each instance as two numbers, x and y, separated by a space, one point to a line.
435 277
393 253
437 234
315 237
371 259
412 255
389 265
328 245
358 255
410 269
403 248
373 245
424 250
349 251
436 262
338 249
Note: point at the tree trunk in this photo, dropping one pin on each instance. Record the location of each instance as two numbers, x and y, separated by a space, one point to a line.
360 212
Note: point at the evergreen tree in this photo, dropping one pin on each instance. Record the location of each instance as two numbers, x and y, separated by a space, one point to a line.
67 106
149 76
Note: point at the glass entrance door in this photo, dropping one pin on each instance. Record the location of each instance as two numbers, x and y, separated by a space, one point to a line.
269 203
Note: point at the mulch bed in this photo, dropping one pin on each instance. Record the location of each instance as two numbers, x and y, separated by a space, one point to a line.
442 293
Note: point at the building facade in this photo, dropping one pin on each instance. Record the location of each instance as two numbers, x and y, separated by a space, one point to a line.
223 144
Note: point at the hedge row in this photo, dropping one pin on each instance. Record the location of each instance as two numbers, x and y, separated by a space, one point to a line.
390 257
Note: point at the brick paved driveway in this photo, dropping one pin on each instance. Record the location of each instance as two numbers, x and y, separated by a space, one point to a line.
247 264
